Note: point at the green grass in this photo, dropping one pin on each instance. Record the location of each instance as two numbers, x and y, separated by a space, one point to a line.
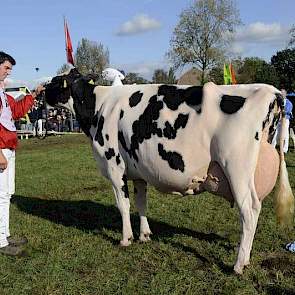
68 212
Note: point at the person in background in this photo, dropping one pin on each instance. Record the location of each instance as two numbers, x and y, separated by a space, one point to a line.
10 110
35 116
288 111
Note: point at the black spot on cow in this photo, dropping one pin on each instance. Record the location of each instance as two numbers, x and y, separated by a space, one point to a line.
146 125
231 104
107 137
118 161
121 114
180 122
135 98
109 153
125 186
169 131
174 96
256 136
174 159
270 109
123 142
98 135
272 128
95 119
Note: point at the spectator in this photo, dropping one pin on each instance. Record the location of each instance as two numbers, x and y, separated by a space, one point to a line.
288 111
36 117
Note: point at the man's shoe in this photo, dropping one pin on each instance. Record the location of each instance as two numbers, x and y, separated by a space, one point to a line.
12 251
17 241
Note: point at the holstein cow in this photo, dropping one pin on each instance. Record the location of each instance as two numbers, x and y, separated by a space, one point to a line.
184 140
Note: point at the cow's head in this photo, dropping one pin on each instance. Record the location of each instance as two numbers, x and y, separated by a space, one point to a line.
75 92
59 90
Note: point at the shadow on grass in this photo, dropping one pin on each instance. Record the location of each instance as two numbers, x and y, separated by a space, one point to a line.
276 290
88 215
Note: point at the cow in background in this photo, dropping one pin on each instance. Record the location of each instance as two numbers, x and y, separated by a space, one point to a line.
183 140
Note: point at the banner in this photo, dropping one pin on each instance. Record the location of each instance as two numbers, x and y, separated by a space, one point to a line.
232 74
226 74
69 47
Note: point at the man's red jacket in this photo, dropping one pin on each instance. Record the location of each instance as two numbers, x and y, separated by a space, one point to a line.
8 139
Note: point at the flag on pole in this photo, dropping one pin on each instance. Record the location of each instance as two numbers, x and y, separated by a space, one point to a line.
69 47
232 74
226 74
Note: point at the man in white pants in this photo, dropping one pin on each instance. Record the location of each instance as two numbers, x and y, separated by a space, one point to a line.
288 111
10 110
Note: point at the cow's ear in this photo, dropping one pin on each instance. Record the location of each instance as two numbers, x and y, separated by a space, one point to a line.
65 85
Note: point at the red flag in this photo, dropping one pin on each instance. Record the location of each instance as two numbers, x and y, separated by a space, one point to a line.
233 75
69 47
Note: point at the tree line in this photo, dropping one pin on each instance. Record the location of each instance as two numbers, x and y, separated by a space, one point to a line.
202 39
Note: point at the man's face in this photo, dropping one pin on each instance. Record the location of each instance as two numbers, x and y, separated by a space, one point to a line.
5 70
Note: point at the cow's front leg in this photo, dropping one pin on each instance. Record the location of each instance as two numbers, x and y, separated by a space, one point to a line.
122 199
141 204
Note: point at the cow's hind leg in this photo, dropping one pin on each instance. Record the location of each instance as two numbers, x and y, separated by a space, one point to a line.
120 187
141 204
243 188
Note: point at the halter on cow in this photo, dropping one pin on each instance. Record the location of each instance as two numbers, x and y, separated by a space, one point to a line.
184 140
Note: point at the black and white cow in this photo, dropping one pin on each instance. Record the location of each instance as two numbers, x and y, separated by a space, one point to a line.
181 139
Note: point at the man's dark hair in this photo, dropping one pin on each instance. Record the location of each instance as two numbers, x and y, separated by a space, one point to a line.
6 57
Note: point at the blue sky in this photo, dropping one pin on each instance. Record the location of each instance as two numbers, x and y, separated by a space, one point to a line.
136 32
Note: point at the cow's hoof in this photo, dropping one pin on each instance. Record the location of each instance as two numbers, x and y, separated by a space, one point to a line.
238 270
144 238
125 243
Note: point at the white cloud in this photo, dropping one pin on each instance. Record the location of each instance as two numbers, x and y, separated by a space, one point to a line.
260 39
139 24
260 32
30 84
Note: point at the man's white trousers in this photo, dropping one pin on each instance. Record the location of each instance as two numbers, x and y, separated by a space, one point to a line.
7 189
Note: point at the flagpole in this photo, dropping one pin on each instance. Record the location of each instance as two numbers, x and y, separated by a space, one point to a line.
65 34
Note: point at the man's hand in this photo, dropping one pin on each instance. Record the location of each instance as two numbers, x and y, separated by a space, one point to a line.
3 162
38 90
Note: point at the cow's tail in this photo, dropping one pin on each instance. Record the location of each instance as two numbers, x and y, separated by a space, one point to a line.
292 135
284 199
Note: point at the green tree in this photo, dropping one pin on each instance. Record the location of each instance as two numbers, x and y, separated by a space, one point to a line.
257 70
132 78
91 58
249 70
64 68
216 75
171 79
160 76
292 38
202 36
284 63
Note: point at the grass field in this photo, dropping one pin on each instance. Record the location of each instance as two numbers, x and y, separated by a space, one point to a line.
67 211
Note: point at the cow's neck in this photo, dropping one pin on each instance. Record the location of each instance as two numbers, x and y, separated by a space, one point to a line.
84 105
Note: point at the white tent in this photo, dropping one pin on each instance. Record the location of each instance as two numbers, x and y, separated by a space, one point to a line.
17 92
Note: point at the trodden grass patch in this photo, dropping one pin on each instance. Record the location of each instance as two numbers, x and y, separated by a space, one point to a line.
67 210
